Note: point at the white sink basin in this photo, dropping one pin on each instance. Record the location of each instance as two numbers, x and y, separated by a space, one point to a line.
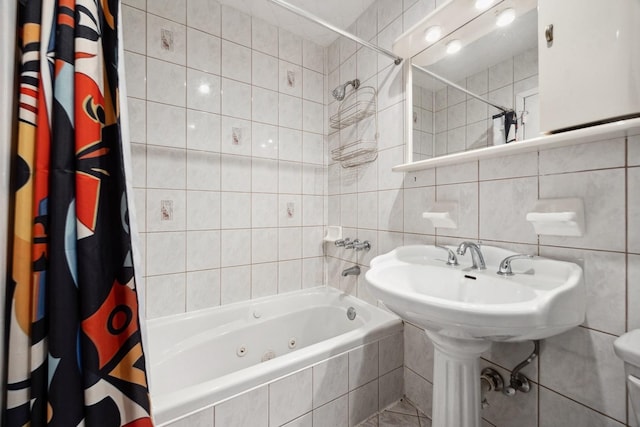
544 298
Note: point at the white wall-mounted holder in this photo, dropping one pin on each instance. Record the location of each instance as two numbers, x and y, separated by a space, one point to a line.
558 217
443 215
334 232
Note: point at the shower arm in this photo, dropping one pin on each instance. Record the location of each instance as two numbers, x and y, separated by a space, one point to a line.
301 12
460 88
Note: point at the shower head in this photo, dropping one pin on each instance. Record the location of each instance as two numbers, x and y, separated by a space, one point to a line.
339 92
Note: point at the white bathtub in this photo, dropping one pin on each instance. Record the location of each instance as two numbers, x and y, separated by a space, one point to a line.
196 359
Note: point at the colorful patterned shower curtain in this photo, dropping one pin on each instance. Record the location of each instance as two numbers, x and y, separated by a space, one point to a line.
74 347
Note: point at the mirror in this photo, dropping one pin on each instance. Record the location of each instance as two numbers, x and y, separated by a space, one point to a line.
496 64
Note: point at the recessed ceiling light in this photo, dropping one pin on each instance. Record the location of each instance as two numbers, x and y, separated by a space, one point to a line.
453 46
483 4
506 17
433 34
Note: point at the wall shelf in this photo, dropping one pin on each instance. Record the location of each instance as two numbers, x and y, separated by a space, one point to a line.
619 129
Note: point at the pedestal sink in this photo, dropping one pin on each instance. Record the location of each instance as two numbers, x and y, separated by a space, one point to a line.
463 310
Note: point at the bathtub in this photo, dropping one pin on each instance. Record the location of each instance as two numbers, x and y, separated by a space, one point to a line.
202 358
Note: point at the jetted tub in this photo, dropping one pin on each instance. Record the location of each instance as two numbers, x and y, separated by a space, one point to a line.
202 358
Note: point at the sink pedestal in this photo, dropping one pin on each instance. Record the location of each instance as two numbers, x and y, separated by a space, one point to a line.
456 380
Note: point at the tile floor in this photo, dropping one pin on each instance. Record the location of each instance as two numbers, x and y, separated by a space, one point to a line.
401 414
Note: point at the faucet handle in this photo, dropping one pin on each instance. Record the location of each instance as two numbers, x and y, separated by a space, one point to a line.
505 264
342 242
452 259
361 246
351 244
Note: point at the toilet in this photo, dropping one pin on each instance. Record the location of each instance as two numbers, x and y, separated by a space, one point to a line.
627 347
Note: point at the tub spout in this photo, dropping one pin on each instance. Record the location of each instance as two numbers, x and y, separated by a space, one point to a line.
351 271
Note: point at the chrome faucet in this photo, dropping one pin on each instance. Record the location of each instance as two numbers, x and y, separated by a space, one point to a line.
451 256
351 271
505 264
476 254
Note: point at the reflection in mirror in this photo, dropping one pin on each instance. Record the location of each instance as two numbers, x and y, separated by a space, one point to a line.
500 66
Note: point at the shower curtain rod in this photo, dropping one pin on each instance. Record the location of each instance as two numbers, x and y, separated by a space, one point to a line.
301 12
460 88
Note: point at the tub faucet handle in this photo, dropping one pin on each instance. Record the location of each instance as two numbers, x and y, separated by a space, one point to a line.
342 242
362 246
351 244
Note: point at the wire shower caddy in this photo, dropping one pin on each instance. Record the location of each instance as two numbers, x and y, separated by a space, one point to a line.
357 106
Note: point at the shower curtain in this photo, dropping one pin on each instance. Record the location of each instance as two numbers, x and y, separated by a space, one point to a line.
74 348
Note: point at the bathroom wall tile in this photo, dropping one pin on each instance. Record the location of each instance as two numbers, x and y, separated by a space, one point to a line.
418 390
236 61
137 120
236 26
250 409
166 40
511 411
465 172
290 144
203 250
236 248
312 85
265 71
264 176
479 82
290 397
203 289
457 116
136 74
349 210
313 56
313 272
477 135
203 91
415 12
556 409
289 177
312 116
421 178
139 4
330 380
237 136
604 277
633 296
304 421
166 210
391 353
235 210
509 355
166 82
501 74
139 165
203 131
289 243
391 128
390 86
633 210
387 159
312 210
416 202
235 284
264 279
363 365
165 167
264 210
525 64
204 15
390 210
603 195
162 257
418 351
265 141
203 51
264 245
633 150
476 111
170 9
388 10
166 125
199 419
595 155
290 79
580 364
264 37
456 140
466 195
515 166
203 171
290 111
236 99
234 173
333 414
347 49
363 402
165 295
264 106
367 23
391 387
500 217
134 29
367 206
290 46
313 148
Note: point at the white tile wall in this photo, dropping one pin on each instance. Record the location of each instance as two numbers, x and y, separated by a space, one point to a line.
220 136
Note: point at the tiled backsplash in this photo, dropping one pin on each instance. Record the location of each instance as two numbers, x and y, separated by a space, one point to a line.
227 119
577 379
